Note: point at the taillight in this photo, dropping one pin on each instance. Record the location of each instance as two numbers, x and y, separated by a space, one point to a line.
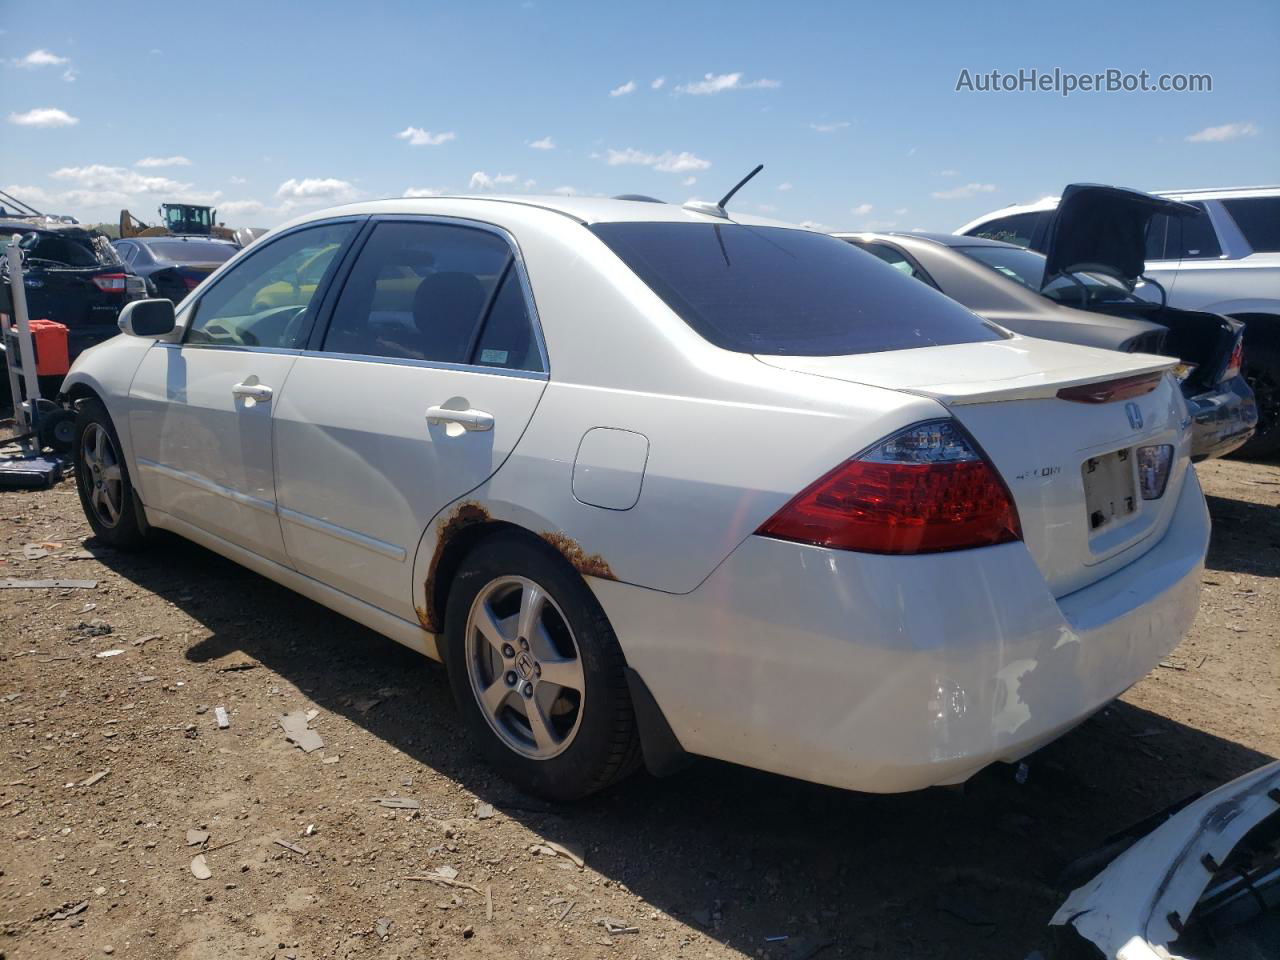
925 489
1237 359
110 282
1122 388
1153 470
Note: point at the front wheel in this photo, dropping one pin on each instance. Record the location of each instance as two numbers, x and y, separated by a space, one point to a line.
537 671
102 478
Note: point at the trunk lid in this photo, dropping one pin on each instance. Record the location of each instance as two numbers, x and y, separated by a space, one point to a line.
1103 229
1064 461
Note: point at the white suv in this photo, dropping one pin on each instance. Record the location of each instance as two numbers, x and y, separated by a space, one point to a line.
1226 262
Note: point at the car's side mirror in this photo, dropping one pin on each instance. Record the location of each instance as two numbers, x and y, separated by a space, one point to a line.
147 318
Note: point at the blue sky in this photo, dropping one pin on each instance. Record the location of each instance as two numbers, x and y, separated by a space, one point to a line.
269 108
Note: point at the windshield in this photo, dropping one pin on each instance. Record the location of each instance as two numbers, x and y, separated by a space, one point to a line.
192 251
777 290
1026 267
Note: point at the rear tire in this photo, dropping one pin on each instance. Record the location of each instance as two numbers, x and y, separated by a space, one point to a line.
537 672
102 479
1262 373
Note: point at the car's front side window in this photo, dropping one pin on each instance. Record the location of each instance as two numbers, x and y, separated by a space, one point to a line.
268 299
436 292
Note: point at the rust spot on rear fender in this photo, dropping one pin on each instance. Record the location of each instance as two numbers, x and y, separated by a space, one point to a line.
587 564
464 515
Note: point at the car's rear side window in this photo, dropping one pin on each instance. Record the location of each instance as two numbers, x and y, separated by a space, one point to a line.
777 290
1259 220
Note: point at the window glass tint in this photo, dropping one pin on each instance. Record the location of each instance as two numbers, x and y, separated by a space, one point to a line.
1017 229
1026 268
192 251
126 251
1259 220
58 249
267 299
417 292
775 290
897 260
1193 238
1157 231
507 339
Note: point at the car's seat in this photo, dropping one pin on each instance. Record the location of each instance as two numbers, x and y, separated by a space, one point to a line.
445 310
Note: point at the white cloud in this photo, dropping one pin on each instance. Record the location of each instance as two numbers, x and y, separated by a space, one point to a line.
174 161
421 192
238 180
1228 131
666 162
482 181
69 74
658 83
566 191
720 82
689 181
784 187
766 208
242 208
98 176
831 127
624 89
44 117
546 143
308 190
901 211
964 192
948 173
862 209
36 195
418 137
41 58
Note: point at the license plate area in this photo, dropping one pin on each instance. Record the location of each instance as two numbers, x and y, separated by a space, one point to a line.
1110 490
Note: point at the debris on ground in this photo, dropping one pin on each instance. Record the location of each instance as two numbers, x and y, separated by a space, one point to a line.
237 666
200 867
484 811
220 714
291 847
382 929
549 848
70 911
196 838
90 781
398 803
34 551
11 584
296 730
615 927
103 654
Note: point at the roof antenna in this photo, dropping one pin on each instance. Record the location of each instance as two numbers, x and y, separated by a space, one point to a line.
718 209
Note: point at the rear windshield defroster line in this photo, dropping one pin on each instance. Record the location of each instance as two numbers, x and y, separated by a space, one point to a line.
783 291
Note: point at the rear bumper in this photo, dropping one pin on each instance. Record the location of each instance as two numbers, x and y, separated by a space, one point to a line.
1222 419
888 674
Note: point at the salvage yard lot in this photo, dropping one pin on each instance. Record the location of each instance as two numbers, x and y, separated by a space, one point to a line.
710 863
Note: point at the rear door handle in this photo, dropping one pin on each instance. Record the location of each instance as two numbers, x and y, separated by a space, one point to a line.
257 392
468 419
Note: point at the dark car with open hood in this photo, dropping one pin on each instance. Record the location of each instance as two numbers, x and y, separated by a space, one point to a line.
72 275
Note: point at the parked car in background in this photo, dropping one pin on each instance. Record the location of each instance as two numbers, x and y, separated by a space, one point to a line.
173 266
655 479
1226 261
73 276
1005 284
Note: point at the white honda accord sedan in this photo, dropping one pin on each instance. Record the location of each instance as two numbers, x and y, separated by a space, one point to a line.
657 481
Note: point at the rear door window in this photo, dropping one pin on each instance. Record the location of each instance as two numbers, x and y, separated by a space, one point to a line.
1019 228
776 290
898 260
1259 220
435 292
1182 238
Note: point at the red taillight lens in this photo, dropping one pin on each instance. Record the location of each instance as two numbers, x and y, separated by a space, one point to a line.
1236 361
1124 388
110 282
923 490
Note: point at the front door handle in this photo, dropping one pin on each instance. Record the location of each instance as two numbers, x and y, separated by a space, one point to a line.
257 392
468 419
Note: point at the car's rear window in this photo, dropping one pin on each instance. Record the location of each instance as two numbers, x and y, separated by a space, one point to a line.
775 290
192 251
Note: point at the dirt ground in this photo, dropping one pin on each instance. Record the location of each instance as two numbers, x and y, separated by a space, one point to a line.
112 752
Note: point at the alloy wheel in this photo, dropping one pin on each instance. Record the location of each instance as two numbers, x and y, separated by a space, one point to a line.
104 478
525 667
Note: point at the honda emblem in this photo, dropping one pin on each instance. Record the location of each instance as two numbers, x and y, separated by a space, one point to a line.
1135 415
